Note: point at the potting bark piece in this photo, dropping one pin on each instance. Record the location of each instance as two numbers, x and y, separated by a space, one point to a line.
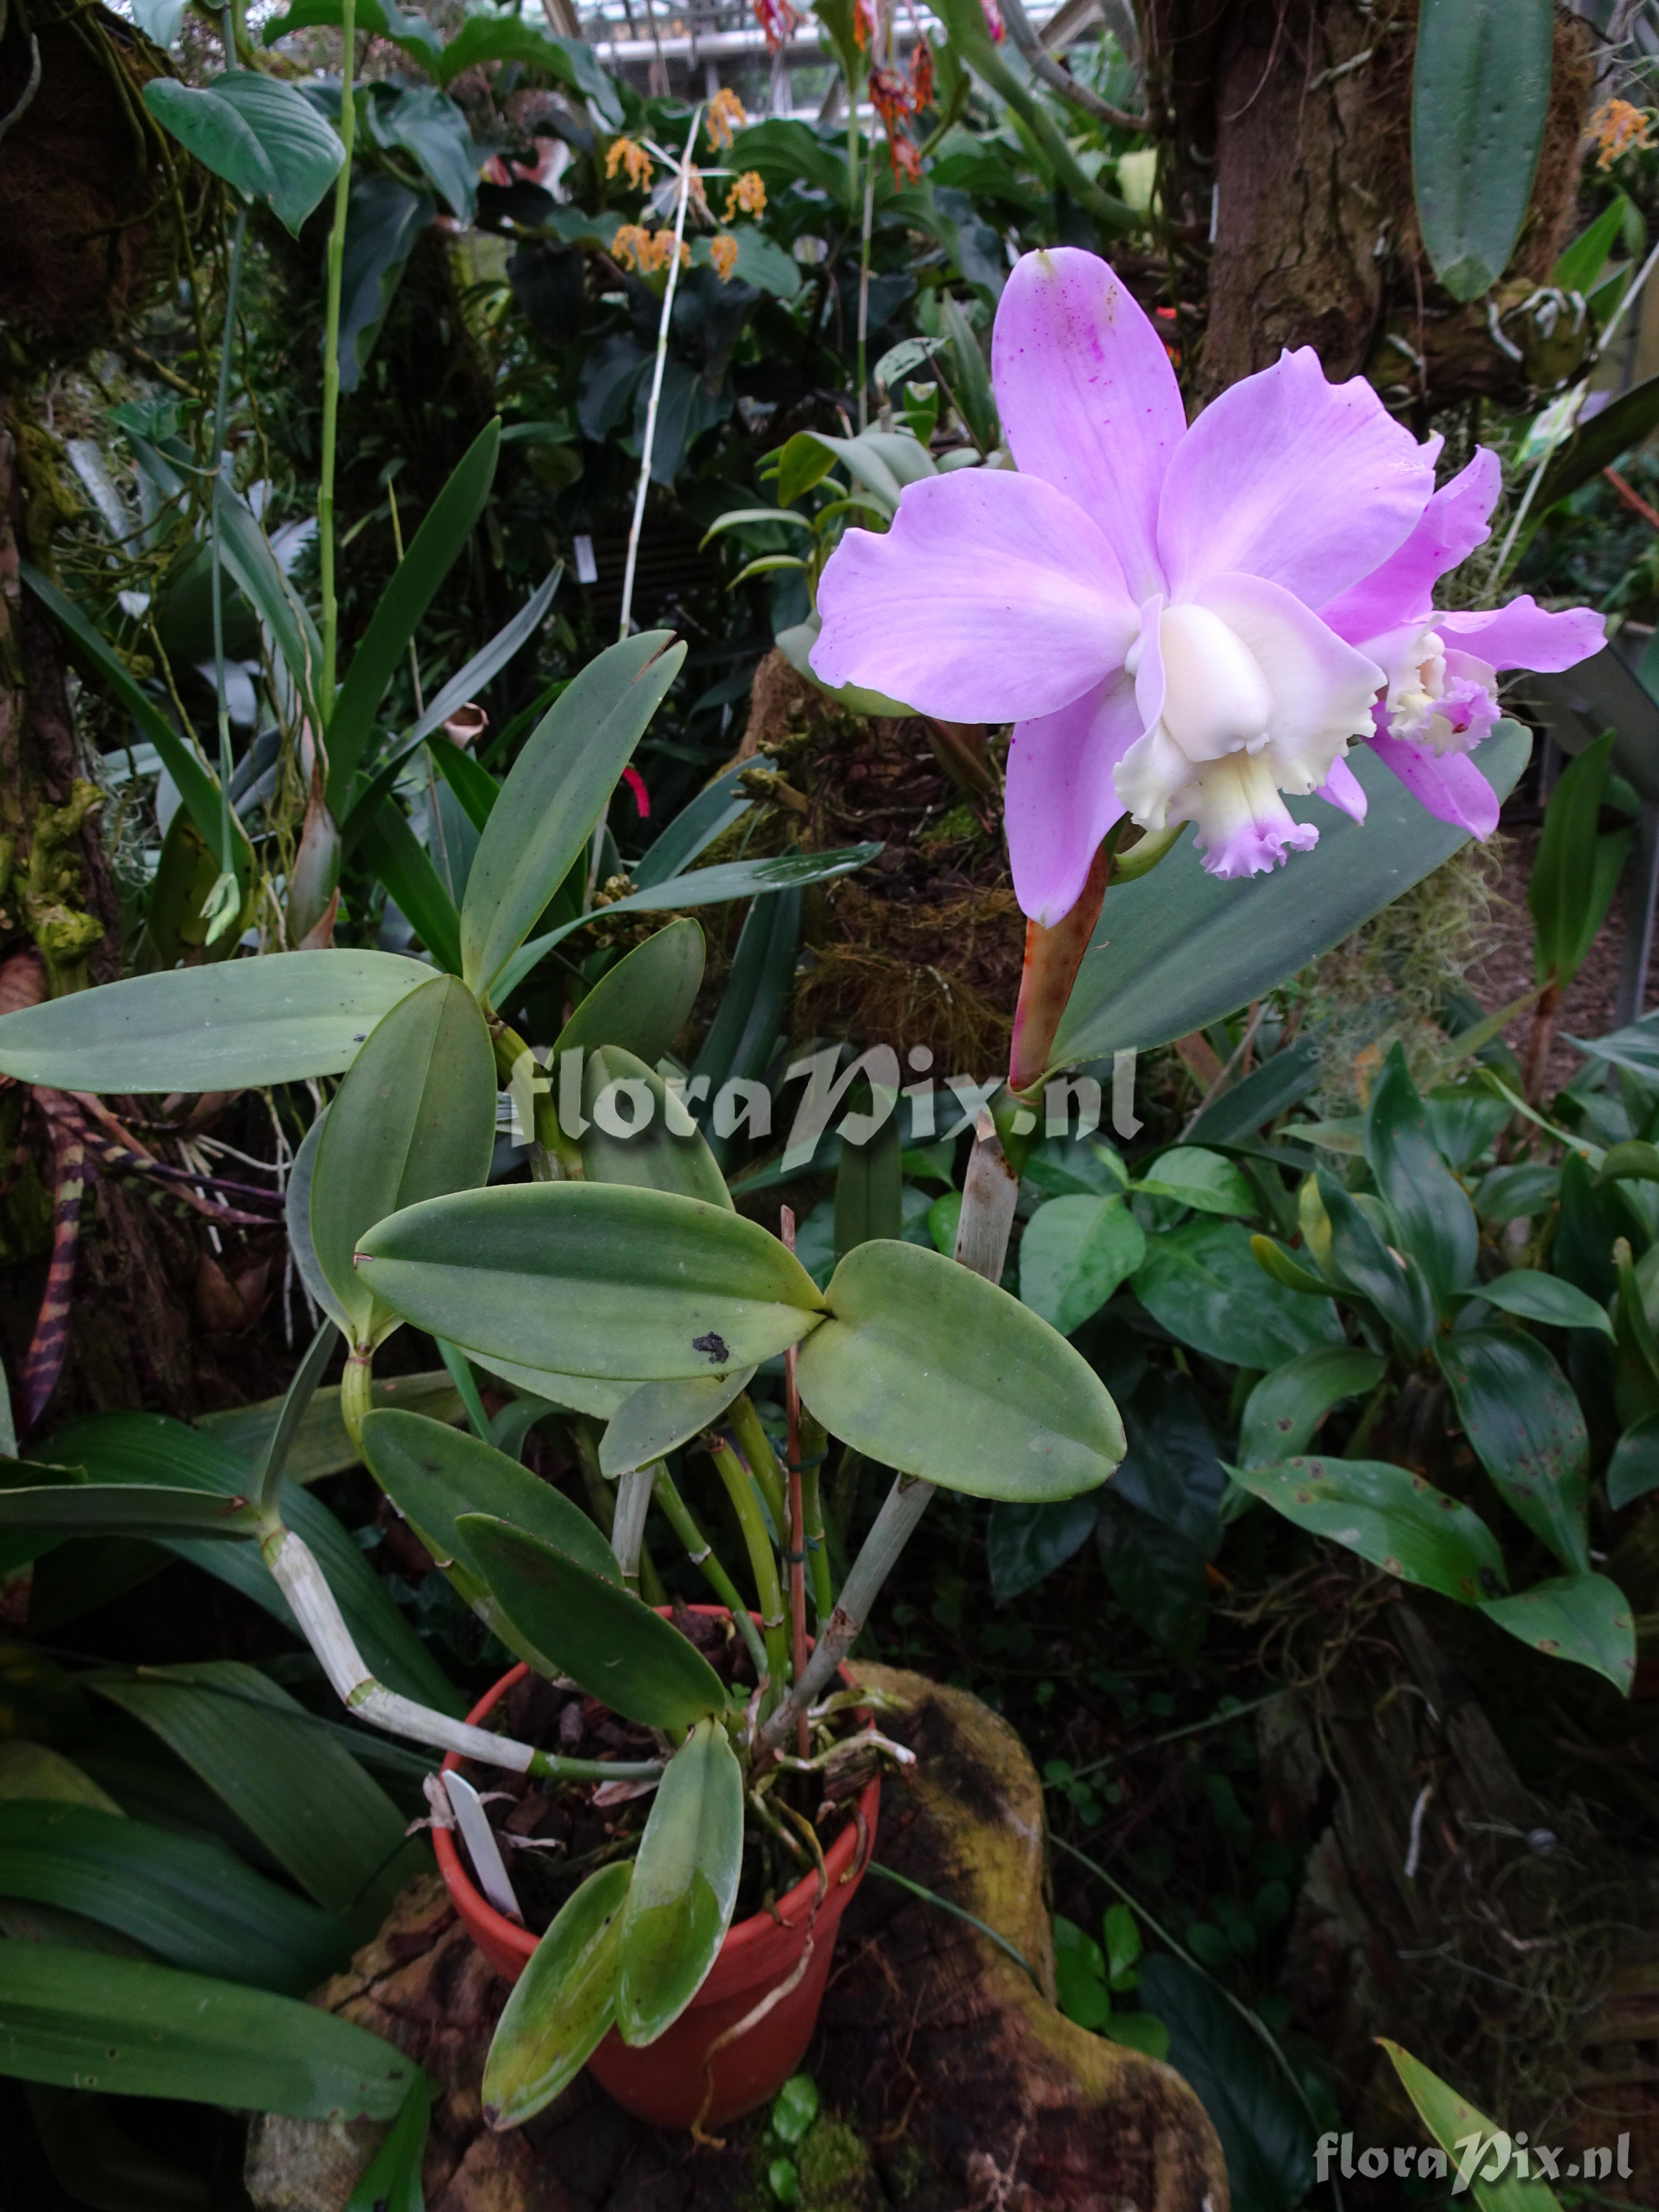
947 2077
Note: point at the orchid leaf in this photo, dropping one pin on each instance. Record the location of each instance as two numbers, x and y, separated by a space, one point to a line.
1519 1412
643 1002
261 135
1583 1617
1285 1410
562 2006
1481 94
1396 1520
685 1884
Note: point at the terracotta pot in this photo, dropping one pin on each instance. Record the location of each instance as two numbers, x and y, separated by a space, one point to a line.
667 2082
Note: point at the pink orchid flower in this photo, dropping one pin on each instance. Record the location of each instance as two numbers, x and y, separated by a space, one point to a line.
1182 623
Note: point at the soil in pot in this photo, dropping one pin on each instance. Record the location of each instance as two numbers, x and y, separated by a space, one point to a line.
745 2030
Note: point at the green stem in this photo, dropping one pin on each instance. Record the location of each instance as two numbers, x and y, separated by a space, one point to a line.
818 1557
745 1494
701 1555
864 291
756 1447
228 841
562 1157
336 266
357 1392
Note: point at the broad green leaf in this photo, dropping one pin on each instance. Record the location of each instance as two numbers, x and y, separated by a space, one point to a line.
87 2021
1074 1254
1397 1520
484 37
602 1636
1547 1298
35 1771
1365 1260
1180 948
261 135
1260 2119
381 19
1565 889
731 880
420 122
189 1900
390 2182
1452 2120
643 1002
1025 1544
622 1090
1202 1283
1285 1408
145 1448
197 785
1464 1120
1480 96
1633 1470
1584 1617
628 1285
433 551
414 1118
294 1785
1207 1181
657 1417
242 1025
1429 1207
433 1474
694 828
250 560
925 1367
1274 1260
560 784
575 1393
1578 268
1516 1194
685 1883
385 218
1519 1412
121 1508
562 2006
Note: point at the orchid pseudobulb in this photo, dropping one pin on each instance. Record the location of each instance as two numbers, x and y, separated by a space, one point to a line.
1183 625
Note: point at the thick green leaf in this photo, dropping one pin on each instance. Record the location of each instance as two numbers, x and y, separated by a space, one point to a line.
1583 1617
1595 444
433 1474
403 864
1285 1408
562 2006
560 785
1025 1544
1633 1470
1264 2130
434 550
869 1199
1074 1254
419 121
247 1024
143 1448
1429 1207
1274 1260
1547 1298
385 218
619 1089
483 37
1519 1412
291 1782
731 880
261 135
631 1286
1364 1259
1563 890
643 1002
1179 948
197 785
694 828
1452 2120
1397 1520
657 1417
1203 1282
189 1900
380 19
575 1393
87 2021
1207 1181
414 1118
928 1368
390 2182
1480 93
602 1636
1516 1194
685 1883
120 1509
320 1445
743 1035
1578 268
248 556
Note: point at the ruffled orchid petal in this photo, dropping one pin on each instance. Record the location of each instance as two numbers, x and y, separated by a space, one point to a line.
1455 521
1244 827
1523 635
1152 777
1448 786
1343 788
1309 484
1088 398
992 599
1319 690
1061 800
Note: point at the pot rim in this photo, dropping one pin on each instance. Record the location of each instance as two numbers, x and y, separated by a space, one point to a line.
844 1861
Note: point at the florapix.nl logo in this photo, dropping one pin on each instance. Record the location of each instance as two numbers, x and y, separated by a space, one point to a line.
1480 2157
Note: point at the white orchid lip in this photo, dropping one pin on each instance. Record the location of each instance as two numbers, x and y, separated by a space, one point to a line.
1216 698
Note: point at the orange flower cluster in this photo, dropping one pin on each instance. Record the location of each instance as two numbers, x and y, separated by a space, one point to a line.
727 114
1618 127
627 154
647 251
896 95
723 254
864 25
746 197
779 21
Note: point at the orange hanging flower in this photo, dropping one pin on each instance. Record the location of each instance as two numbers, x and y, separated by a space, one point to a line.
891 96
747 197
645 251
727 115
627 154
864 25
1618 129
921 77
779 21
723 254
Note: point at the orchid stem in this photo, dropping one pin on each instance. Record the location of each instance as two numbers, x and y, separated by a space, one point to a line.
745 1494
336 266
701 1555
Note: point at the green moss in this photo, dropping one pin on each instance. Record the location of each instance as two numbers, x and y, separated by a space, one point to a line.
907 2168
834 2165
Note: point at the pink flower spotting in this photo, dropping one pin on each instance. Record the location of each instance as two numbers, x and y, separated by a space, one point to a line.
1182 623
